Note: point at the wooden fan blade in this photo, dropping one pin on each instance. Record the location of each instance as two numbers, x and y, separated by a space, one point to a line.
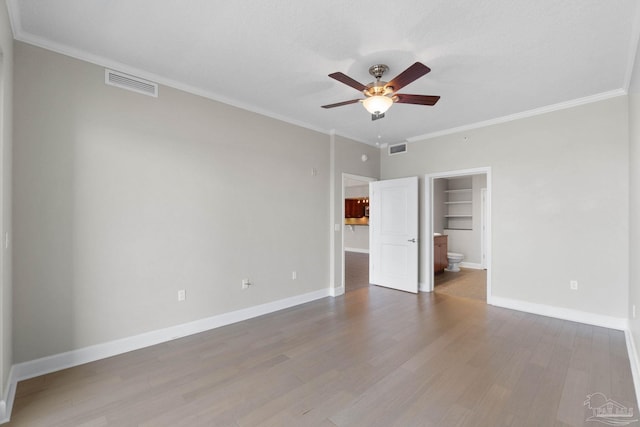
343 78
417 99
409 75
340 104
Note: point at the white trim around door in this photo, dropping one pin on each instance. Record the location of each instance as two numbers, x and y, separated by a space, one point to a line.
427 216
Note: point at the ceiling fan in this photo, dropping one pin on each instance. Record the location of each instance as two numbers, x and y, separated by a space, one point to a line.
380 95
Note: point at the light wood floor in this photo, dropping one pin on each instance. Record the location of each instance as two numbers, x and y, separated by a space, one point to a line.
356 271
466 283
374 357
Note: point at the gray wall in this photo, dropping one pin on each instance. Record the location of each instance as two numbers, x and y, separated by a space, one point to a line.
474 245
634 199
560 207
123 199
6 298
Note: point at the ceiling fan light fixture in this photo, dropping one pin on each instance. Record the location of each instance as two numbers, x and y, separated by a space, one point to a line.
380 95
378 104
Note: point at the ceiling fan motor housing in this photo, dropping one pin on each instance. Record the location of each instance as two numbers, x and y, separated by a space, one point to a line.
378 70
377 88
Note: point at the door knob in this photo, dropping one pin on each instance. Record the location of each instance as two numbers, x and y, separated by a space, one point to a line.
412 240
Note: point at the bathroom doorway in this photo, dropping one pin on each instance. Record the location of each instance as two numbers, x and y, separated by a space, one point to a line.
355 236
457 228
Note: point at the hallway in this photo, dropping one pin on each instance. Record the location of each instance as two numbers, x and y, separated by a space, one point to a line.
356 271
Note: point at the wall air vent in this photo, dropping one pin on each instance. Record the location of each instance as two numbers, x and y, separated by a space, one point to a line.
398 148
135 84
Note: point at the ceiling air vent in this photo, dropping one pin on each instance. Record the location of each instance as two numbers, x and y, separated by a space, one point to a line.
398 148
125 81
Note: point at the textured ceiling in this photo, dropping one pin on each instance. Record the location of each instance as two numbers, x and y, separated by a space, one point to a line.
489 58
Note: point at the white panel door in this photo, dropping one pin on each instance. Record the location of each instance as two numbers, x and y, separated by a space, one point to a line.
393 232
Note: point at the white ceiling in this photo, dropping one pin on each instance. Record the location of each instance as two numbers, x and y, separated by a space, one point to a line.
489 58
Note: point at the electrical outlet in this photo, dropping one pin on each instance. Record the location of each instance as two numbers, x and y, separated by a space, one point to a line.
294 275
573 285
245 283
182 295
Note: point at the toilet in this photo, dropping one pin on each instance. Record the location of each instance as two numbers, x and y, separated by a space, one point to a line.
454 259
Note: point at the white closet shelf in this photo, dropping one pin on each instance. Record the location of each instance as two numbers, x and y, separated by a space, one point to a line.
461 190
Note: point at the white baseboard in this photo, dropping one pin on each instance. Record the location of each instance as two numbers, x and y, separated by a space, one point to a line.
45 365
423 287
56 362
472 265
6 405
336 292
358 250
619 323
634 362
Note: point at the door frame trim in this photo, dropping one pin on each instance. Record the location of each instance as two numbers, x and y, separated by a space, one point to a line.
428 207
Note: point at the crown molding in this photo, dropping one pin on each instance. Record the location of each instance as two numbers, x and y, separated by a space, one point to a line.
25 37
175 84
522 115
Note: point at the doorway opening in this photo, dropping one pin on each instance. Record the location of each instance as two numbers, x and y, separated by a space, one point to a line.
457 220
355 235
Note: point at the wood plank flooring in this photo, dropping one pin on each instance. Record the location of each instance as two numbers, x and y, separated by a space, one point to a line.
466 283
356 270
374 357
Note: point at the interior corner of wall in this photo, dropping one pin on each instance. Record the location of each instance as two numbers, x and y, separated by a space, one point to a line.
336 291
8 396
632 351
